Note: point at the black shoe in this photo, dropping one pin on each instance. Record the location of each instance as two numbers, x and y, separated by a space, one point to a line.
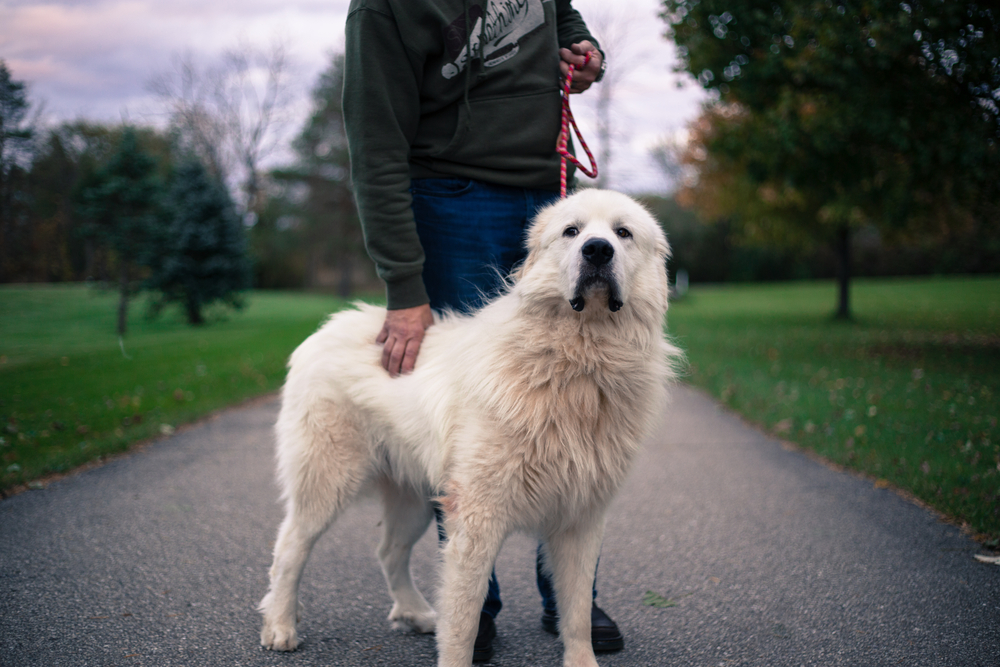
482 651
604 634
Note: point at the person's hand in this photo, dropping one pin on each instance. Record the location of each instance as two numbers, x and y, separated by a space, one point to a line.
575 55
401 336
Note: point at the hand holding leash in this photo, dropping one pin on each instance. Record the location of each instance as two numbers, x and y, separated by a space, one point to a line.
586 73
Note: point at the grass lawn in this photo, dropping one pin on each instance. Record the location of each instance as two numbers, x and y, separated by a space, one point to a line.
69 393
908 393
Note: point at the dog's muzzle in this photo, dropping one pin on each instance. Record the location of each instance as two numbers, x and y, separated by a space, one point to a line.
596 270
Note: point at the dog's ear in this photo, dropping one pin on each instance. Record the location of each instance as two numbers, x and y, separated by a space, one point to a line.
533 242
660 244
663 246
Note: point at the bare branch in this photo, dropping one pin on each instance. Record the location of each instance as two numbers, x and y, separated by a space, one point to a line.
231 114
614 27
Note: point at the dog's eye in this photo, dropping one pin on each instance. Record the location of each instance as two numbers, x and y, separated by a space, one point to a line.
623 233
571 232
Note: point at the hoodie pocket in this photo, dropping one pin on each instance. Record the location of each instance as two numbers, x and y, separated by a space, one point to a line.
500 128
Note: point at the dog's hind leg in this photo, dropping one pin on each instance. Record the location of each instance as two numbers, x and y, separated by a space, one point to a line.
468 559
322 464
407 515
571 556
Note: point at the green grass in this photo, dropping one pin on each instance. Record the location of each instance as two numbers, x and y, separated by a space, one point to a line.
906 393
69 393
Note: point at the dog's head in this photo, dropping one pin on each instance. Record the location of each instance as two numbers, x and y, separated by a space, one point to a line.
597 249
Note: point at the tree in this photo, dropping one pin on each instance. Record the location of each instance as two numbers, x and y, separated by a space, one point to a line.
66 160
122 207
278 242
204 256
829 116
230 115
667 154
16 144
332 229
614 28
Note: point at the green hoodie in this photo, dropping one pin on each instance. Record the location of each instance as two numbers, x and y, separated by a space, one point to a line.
415 108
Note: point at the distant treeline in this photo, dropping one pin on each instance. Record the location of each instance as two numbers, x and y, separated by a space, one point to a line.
300 236
297 226
292 245
710 253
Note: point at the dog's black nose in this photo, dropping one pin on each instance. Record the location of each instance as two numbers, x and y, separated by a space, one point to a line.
598 252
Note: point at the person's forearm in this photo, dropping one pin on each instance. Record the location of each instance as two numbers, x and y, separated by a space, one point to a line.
381 110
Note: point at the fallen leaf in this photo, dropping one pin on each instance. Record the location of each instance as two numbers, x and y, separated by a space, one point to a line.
992 560
651 599
784 426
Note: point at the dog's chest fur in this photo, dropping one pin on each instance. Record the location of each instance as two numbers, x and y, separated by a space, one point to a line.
570 405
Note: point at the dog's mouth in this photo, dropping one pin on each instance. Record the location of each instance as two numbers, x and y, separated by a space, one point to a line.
591 282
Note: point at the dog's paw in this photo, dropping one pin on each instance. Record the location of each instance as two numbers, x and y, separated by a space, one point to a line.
408 619
580 660
275 637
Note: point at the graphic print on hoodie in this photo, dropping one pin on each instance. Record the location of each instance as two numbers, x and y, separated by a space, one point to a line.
496 40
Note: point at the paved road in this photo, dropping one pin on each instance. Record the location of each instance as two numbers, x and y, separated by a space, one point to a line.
159 559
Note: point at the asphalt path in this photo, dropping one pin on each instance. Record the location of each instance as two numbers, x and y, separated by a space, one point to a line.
768 558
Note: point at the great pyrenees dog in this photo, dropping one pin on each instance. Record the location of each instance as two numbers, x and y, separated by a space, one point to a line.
524 416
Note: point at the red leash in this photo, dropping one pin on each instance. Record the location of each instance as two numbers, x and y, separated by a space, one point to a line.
567 120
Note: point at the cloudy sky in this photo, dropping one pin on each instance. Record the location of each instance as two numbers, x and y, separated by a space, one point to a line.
93 59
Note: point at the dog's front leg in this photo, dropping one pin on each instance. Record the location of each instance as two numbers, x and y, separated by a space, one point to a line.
572 558
468 559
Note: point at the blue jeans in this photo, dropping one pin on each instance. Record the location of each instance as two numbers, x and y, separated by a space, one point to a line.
473 234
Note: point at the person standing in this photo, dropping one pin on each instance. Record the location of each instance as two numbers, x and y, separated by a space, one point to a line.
452 110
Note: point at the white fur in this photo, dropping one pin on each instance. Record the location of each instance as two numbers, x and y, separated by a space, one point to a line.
522 417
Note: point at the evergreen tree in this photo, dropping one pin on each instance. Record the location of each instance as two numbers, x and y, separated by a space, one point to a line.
121 205
204 256
16 135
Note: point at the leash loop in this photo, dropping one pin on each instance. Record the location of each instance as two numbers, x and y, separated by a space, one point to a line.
567 120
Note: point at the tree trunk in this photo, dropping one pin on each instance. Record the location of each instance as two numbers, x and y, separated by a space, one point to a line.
344 285
193 307
90 261
123 297
6 226
843 250
313 264
604 99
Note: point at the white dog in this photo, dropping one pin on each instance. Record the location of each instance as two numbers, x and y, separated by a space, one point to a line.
522 417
